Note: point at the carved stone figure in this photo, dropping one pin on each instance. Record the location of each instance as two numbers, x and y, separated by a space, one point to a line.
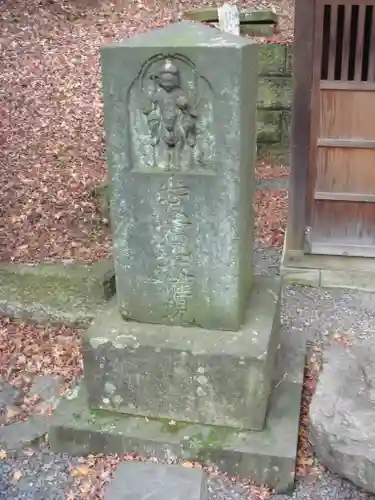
171 118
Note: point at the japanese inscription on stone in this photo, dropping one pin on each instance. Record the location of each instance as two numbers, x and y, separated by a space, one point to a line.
172 240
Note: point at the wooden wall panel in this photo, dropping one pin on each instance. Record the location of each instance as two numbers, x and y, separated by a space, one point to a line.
344 223
347 114
345 170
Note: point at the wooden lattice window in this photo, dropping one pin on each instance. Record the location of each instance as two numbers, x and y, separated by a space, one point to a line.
348 47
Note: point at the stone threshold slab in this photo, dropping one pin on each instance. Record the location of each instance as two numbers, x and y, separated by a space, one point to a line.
327 271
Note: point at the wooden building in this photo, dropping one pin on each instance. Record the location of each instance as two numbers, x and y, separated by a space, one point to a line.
330 237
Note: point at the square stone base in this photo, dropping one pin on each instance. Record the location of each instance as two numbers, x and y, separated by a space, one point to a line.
188 374
266 457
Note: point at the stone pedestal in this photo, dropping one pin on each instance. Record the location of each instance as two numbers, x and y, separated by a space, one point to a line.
187 374
191 343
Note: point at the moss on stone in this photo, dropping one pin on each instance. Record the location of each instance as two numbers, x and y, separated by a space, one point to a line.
102 194
202 445
56 292
272 59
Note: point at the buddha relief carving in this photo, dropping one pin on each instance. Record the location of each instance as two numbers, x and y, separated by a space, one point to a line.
171 118
171 114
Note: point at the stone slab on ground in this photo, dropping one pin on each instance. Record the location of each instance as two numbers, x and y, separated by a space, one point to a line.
210 15
69 294
184 373
342 413
17 435
9 396
267 457
47 387
142 480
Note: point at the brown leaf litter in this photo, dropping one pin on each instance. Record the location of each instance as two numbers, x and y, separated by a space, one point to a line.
51 123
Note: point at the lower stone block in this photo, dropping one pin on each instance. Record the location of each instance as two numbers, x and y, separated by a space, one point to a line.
140 480
187 374
266 457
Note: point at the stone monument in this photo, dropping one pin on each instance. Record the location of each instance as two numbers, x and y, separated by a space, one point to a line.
183 364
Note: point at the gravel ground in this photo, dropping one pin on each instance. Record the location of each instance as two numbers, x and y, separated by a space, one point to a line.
320 315
46 476
327 487
41 475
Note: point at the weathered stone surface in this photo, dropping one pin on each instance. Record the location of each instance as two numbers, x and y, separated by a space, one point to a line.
47 387
266 457
9 396
141 481
19 434
270 125
181 215
274 93
257 29
342 413
185 373
274 101
255 16
102 194
273 59
203 14
229 19
210 15
69 294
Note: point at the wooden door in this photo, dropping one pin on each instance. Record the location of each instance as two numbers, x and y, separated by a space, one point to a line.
341 204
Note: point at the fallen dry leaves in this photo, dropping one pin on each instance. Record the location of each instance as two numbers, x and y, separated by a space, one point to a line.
269 171
27 350
271 206
92 474
51 123
306 463
344 338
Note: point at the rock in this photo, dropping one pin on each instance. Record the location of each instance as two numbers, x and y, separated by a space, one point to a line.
342 414
47 387
16 436
138 480
9 396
